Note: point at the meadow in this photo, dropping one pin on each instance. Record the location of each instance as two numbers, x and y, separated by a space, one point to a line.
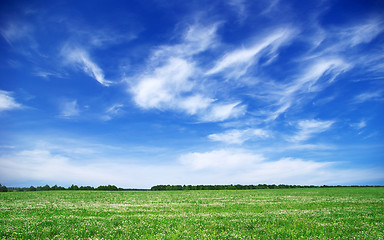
322 213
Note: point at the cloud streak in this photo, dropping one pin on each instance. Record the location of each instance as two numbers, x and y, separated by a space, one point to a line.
236 136
317 76
69 109
362 33
308 128
7 102
16 31
80 58
237 62
368 96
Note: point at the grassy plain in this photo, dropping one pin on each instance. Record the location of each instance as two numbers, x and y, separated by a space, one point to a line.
333 213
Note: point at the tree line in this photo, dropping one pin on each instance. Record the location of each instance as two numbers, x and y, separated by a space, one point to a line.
169 187
55 187
239 187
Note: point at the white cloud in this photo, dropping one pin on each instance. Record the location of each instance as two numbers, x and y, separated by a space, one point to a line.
69 109
196 39
224 166
329 68
7 102
171 87
81 59
236 136
15 31
368 96
320 74
340 40
272 6
106 37
113 111
220 112
194 104
311 147
173 82
238 61
241 166
362 33
307 128
285 104
239 6
220 160
163 87
287 168
44 166
170 82
316 77
359 125
47 74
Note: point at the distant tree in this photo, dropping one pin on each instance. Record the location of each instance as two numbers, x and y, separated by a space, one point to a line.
86 188
73 187
46 188
31 188
107 188
57 188
3 188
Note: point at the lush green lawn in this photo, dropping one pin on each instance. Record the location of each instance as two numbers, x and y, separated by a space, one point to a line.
334 213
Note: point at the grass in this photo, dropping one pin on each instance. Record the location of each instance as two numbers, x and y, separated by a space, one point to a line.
334 213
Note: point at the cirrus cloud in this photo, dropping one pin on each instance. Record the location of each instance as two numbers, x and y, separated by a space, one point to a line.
7 102
236 136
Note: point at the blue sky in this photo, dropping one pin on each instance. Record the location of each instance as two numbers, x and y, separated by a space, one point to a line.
140 93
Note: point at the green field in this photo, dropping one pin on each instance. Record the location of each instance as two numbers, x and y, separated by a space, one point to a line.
325 213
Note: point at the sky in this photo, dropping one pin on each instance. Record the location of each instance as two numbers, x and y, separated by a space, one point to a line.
142 93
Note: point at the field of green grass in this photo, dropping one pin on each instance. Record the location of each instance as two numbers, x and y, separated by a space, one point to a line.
325 213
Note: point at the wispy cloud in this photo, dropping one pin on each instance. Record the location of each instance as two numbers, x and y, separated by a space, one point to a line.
359 125
169 82
47 74
81 59
247 167
69 109
163 87
220 159
7 102
236 136
173 79
272 5
220 112
240 7
308 128
313 147
15 31
237 62
113 111
195 39
362 33
368 96
105 37
317 76
341 39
